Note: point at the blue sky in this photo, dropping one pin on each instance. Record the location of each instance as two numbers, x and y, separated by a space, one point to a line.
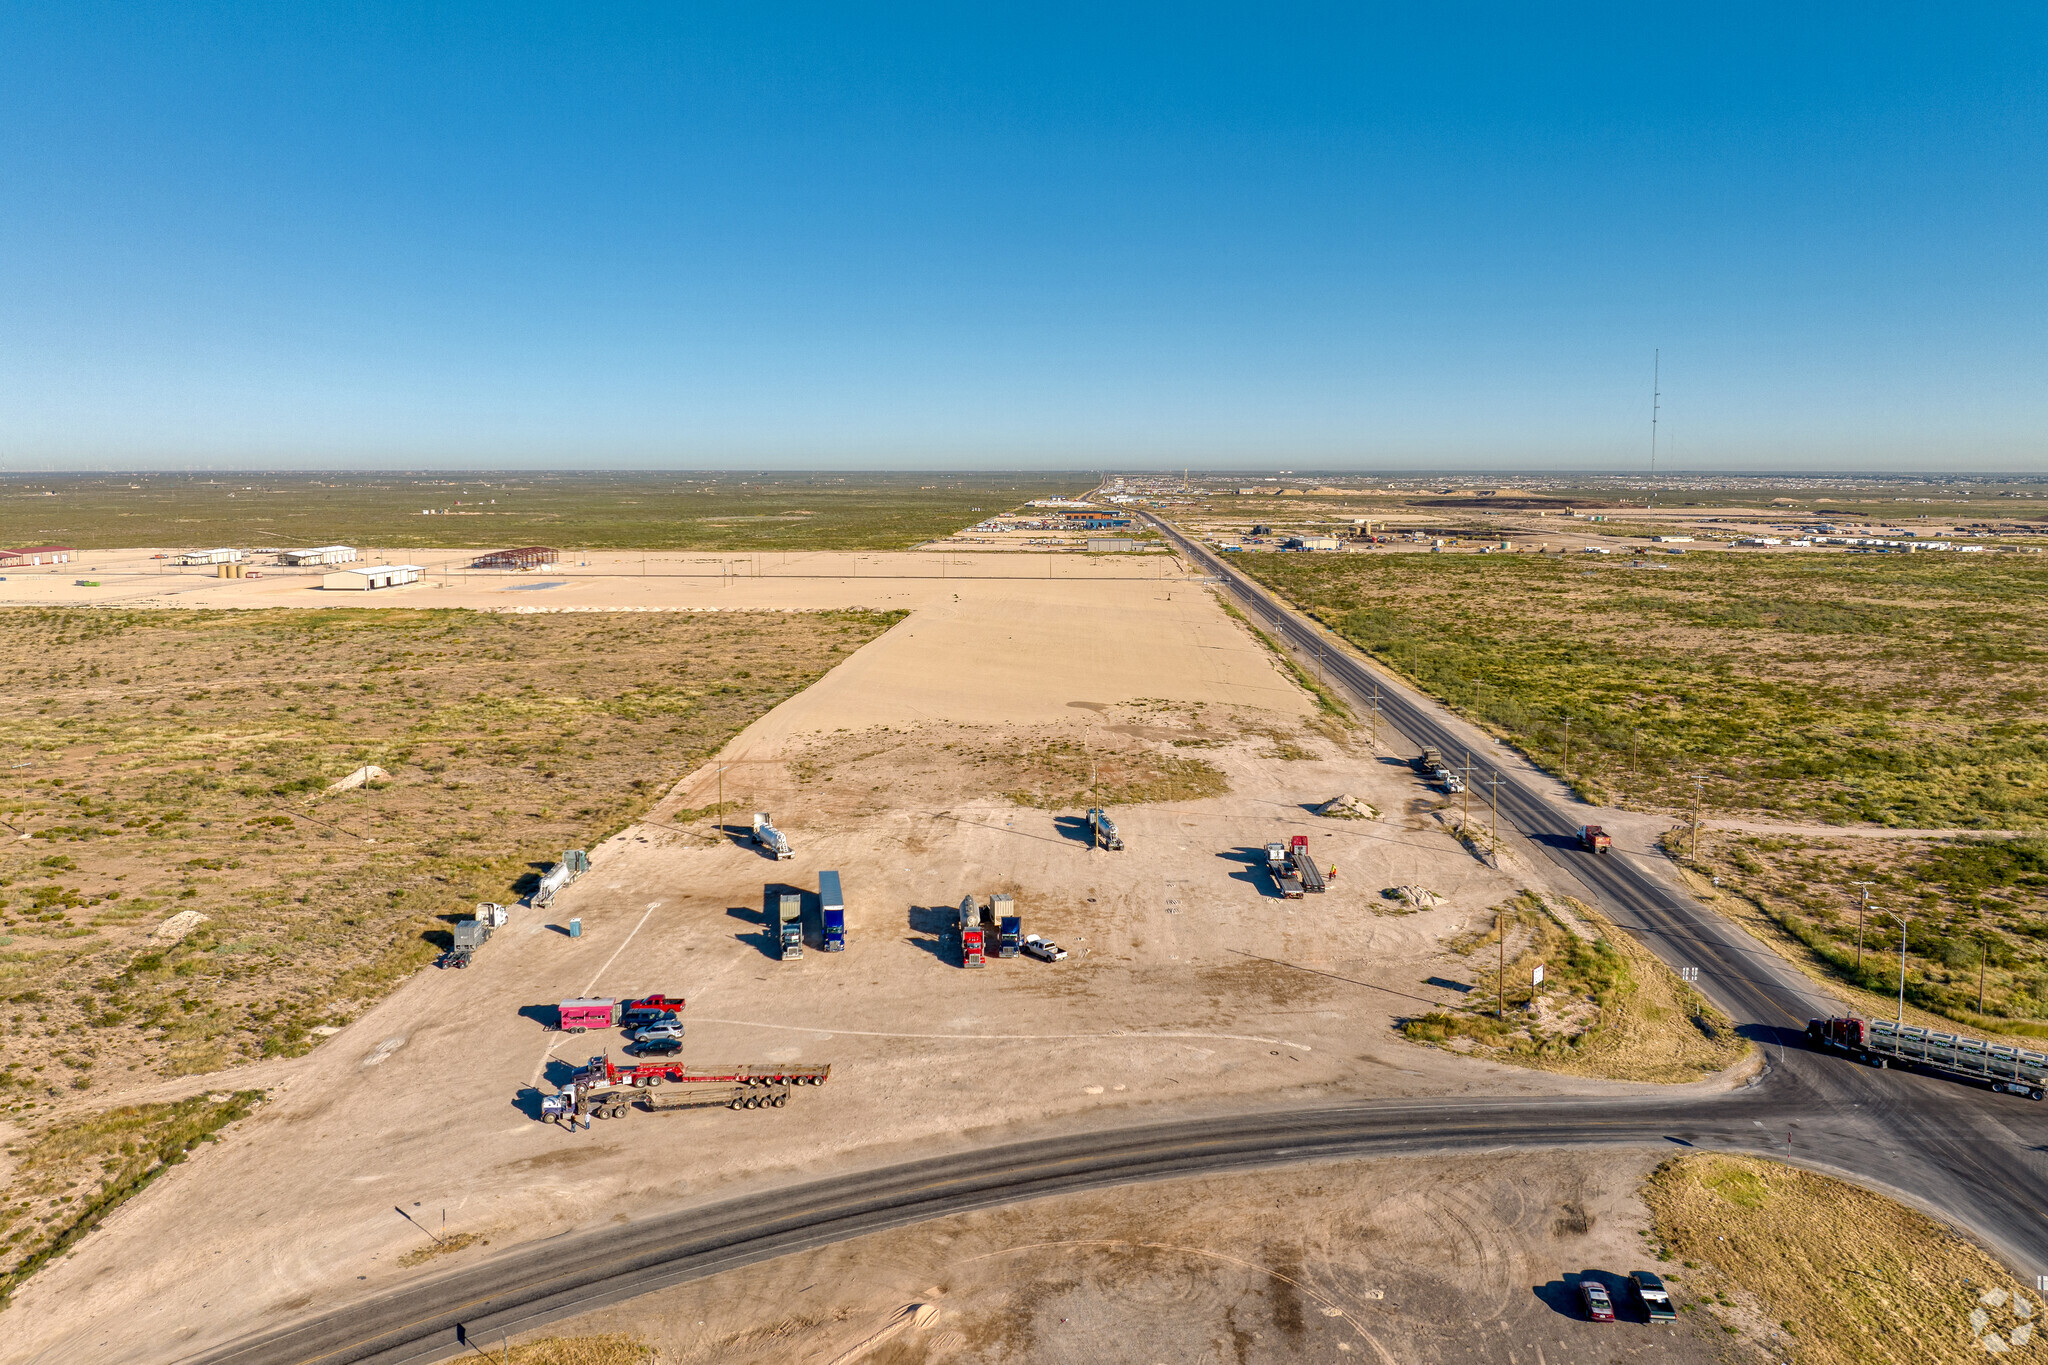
989 236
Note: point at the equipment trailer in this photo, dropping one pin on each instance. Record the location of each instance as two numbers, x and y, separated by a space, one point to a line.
1305 866
604 1089
1280 867
1102 831
1880 1043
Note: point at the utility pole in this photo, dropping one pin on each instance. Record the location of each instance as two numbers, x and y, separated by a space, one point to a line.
1468 791
719 816
1983 950
1375 714
1902 969
1492 814
1862 910
1699 792
1567 746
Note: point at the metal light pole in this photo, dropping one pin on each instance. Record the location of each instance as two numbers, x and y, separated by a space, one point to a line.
1902 971
1861 910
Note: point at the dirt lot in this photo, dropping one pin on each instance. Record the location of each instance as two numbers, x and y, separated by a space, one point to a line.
1451 1262
1189 983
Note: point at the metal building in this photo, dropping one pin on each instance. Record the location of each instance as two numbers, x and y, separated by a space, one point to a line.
35 555
324 554
375 576
531 557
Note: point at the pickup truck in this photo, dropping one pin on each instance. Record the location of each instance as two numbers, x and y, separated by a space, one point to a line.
1044 949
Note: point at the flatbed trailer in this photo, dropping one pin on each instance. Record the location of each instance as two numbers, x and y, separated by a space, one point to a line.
604 1071
1305 866
604 1089
613 1104
1882 1043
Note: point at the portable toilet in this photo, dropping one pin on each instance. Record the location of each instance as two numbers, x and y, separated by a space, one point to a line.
832 908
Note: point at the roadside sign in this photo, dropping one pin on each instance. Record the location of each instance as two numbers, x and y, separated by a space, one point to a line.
1536 977
1688 973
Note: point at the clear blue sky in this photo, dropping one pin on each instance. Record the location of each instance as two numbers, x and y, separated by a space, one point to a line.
1333 236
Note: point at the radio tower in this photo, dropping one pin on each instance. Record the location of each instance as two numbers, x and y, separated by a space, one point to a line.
1656 402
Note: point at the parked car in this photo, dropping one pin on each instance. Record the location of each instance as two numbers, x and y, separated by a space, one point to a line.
1656 1300
656 1047
648 1034
1044 949
1599 1307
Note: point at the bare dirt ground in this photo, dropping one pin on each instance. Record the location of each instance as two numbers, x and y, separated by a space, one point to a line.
1190 984
1464 1261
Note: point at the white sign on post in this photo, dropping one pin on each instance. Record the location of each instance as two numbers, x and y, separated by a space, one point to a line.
1536 977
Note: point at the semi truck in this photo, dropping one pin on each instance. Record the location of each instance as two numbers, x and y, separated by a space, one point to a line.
471 934
1009 925
789 925
1428 761
1594 839
1280 867
832 912
769 839
575 862
973 937
1102 831
1305 866
606 1090
1881 1043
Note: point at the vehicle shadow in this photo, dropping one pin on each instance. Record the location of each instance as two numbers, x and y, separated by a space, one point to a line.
527 1102
932 930
762 938
558 1072
1073 828
1251 869
547 1016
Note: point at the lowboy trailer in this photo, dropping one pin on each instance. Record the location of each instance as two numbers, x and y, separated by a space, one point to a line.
604 1089
1882 1043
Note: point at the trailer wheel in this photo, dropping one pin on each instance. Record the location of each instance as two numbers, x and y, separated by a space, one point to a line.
577 1029
781 1100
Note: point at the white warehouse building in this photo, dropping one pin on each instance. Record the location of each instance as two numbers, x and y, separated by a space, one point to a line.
372 576
324 554
220 556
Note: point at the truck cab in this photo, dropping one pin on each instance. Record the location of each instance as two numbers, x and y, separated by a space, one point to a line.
790 926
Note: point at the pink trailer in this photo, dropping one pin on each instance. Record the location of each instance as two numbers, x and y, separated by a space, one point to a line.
574 1016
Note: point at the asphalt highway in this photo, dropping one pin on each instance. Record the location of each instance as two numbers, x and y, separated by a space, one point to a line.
1960 1151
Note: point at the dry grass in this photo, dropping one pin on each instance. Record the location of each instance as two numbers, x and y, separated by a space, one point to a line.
1797 1265
1895 690
609 1348
1976 916
443 1246
1607 1007
175 761
69 1176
